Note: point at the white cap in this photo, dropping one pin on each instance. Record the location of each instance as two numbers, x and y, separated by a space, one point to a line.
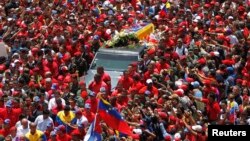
177 136
178 83
149 81
197 128
231 17
137 131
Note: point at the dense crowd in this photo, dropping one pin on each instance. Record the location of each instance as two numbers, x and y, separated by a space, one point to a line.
194 74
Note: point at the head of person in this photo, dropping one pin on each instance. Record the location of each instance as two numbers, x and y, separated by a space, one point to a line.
179 43
6 123
149 83
24 123
103 92
211 97
46 114
97 78
78 114
100 70
13 131
61 129
231 97
66 110
32 128
59 103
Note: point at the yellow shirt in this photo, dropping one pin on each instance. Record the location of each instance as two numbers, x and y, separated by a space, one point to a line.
34 137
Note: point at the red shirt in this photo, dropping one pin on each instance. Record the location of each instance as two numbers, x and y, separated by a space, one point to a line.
115 93
154 91
65 137
160 66
147 74
136 86
13 115
125 82
106 78
89 115
95 87
213 109
4 132
93 104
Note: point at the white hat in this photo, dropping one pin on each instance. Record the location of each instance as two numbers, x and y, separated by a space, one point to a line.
231 17
177 136
149 81
197 128
178 83
137 131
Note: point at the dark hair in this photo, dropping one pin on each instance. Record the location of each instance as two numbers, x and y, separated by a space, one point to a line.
212 95
67 108
46 112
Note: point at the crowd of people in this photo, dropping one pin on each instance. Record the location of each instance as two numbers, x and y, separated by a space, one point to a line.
196 73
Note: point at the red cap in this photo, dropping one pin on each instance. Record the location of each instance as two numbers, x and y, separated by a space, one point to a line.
175 55
31 84
207 5
66 57
167 138
2 67
179 93
163 115
218 17
195 6
239 81
60 78
82 83
75 133
62 128
241 9
34 50
227 62
189 80
36 69
201 61
183 87
151 51
15 93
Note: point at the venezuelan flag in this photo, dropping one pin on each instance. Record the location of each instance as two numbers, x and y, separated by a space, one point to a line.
62 119
164 10
112 117
94 131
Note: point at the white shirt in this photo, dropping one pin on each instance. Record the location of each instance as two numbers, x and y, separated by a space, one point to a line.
83 120
42 123
21 131
181 51
52 103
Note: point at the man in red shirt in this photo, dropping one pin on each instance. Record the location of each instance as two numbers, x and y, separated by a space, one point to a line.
6 128
212 107
87 113
62 134
97 83
92 101
149 87
137 85
105 77
162 64
10 113
125 80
